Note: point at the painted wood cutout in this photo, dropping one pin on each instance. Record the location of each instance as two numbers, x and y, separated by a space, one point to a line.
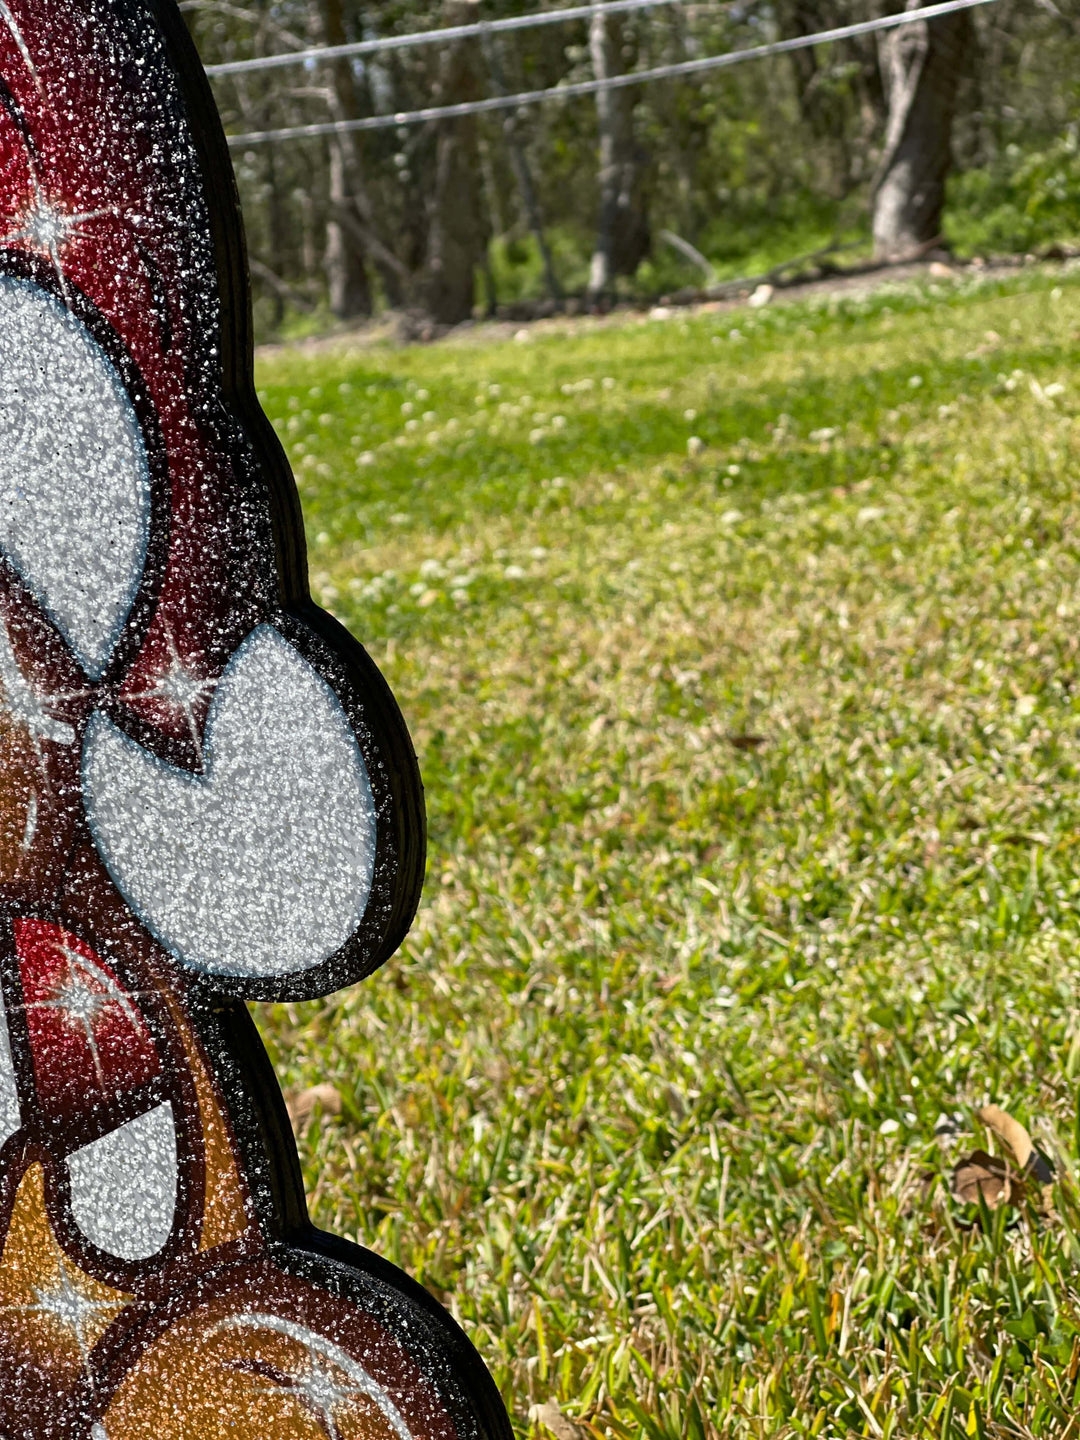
207 795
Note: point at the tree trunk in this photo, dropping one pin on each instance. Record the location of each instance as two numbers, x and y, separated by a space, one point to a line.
457 234
277 225
346 262
346 273
622 231
921 64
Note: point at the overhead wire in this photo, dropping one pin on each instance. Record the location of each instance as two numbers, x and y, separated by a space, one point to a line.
437 36
577 88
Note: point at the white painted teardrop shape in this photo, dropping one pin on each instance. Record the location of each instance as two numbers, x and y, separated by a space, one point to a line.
261 866
74 478
123 1186
9 1089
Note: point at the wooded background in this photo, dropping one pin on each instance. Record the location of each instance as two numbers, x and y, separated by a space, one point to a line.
960 132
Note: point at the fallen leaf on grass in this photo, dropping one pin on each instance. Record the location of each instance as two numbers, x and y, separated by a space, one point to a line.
998 1180
302 1104
1018 1140
746 742
553 1419
994 1178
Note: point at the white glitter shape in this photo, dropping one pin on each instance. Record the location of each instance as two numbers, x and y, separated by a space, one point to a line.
261 866
315 1383
74 478
123 1186
10 1118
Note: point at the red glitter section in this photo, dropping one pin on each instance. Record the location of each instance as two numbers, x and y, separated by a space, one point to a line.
95 157
88 1038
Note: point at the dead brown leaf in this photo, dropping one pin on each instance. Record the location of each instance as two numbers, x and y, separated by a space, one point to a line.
1010 1130
996 1179
1028 1159
302 1104
553 1419
746 742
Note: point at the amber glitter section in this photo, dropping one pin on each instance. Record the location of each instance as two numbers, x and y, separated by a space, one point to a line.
269 1354
53 1313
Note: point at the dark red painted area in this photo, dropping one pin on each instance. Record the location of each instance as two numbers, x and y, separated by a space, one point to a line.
88 1039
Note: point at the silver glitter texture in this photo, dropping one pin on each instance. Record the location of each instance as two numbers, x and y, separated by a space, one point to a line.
74 480
262 865
123 1186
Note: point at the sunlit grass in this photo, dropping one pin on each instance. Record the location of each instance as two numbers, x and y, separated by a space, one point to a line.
649 1096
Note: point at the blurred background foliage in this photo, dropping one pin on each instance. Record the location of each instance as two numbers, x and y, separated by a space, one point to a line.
751 167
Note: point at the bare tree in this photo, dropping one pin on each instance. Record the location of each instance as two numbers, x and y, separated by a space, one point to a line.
346 268
622 231
922 63
457 228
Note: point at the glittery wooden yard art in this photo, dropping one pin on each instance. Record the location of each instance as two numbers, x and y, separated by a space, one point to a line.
207 795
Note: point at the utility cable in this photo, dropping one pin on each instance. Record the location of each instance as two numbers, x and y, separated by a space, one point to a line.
592 87
434 37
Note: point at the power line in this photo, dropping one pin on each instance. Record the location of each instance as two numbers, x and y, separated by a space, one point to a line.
432 37
593 87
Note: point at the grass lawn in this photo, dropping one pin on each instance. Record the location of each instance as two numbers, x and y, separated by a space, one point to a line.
649 1097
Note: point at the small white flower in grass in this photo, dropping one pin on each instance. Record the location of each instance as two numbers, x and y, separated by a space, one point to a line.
914 382
1053 390
536 436
888 1127
558 422
514 572
816 437
731 517
690 415
422 395
411 425
429 416
734 470
695 446
608 383
365 458
408 408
